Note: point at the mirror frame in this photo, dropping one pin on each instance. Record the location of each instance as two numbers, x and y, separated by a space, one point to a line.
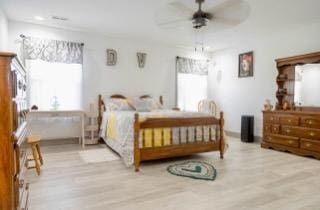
286 79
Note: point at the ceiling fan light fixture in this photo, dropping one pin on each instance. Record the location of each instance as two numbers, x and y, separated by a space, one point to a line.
200 18
199 22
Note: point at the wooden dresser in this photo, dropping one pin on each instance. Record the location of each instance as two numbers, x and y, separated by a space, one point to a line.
294 131
14 189
294 127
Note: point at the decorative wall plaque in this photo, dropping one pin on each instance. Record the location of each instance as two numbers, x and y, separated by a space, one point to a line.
141 59
111 57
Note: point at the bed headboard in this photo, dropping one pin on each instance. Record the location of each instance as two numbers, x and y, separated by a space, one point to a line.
148 96
119 96
101 103
102 107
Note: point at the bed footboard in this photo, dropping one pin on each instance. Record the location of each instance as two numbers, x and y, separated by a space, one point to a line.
162 142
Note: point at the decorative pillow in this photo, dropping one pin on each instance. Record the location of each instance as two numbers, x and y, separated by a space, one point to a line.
152 103
140 105
145 104
115 104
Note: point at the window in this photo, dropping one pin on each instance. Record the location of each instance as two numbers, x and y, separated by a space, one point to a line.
192 82
191 89
54 86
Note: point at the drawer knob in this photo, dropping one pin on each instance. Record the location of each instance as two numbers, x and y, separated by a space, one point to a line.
310 122
21 183
312 134
274 129
288 131
290 142
308 145
20 85
271 118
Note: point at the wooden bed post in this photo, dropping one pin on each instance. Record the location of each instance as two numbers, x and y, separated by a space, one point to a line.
136 142
221 142
100 111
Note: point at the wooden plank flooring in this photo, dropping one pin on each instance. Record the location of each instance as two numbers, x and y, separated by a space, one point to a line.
248 178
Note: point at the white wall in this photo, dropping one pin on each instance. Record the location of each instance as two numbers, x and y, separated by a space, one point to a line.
157 78
3 31
240 96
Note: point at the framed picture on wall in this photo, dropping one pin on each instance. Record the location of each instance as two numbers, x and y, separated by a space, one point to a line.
246 64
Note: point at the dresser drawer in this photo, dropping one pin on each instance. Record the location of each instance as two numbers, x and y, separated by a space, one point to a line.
311 145
24 202
284 140
290 131
289 120
19 159
310 121
270 118
309 133
267 128
276 129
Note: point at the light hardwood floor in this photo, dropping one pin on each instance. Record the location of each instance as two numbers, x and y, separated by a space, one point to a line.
248 178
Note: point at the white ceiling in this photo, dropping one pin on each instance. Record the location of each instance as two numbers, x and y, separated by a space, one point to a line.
136 18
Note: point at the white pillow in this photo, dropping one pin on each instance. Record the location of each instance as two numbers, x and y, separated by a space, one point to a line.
140 105
145 104
153 103
116 104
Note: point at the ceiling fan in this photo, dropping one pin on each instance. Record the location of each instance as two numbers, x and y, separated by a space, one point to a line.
226 14
200 18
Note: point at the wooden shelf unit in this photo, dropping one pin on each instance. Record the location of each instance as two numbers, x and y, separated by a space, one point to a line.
91 129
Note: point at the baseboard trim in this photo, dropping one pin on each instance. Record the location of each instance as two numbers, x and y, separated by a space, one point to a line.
238 135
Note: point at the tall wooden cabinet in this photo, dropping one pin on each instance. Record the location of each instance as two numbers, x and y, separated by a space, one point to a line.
14 189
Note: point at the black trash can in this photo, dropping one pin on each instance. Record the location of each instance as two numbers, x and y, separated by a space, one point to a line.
247 128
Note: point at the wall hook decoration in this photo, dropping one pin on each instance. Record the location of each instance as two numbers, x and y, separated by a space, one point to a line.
111 57
141 59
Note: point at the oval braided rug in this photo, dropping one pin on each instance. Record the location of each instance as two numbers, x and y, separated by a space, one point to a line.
194 169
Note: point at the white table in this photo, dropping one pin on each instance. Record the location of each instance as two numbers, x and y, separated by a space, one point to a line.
36 114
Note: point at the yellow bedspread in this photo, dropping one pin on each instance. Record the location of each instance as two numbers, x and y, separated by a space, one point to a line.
111 133
111 126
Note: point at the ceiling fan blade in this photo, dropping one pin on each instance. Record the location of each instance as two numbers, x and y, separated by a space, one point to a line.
176 24
182 8
219 23
216 26
173 13
236 10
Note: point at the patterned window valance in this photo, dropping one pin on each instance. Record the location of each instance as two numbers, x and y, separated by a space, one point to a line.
192 66
52 50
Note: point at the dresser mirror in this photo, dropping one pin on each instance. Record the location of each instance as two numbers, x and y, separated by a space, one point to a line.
298 82
306 84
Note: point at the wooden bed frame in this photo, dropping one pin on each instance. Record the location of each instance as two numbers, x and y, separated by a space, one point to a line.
215 143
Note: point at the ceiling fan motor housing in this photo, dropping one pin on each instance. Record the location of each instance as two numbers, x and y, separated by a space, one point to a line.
200 18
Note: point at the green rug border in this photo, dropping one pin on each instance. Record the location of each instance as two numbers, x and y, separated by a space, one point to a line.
193 177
